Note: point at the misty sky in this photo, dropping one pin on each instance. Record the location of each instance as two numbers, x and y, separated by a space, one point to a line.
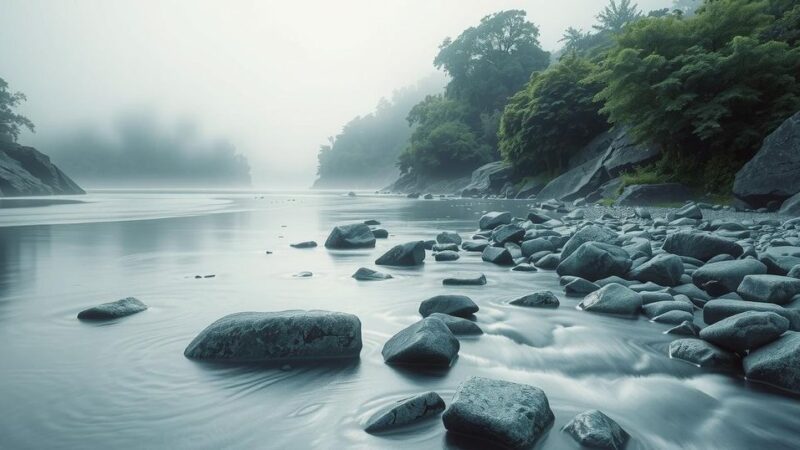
274 77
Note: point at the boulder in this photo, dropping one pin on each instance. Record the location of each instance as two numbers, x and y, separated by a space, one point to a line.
591 233
703 354
700 245
113 310
745 331
673 317
612 299
408 254
477 279
777 364
577 182
448 237
457 325
497 255
537 245
26 171
596 430
594 261
510 414
653 194
658 308
508 233
719 309
769 288
474 246
727 275
664 269
791 206
548 262
380 233
405 412
686 328
688 211
447 255
278 336
774 173
453 305
488 179
494 219
365 274
357 235
578 287
541 299
428 342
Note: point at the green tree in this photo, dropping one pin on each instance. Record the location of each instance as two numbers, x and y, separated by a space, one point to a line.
552 117
615 16
11 123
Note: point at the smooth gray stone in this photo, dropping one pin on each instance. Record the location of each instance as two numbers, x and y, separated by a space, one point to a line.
703 354
448 237
673 317
691 291
278 336
596 430
356 235
303 274
405 412
594 261
548 262
524 268
745 331
779 265
365 274
591 233
474 246
614 279
664 269
689 211
541 299
493 219
719 309
658 308
113 310
532 246
510 414
478 279
579 287
508 233
769 288
653 195
649 297
612 299
371 222
700 245
408 254
686 328
497 255
428 342
777 364
454 305
728 274
380 233
445 248
306 244
445 256
457 325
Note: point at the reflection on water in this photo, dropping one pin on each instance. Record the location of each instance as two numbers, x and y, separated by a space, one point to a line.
126 384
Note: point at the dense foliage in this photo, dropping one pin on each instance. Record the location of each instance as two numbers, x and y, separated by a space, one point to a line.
487 64
366 150
552 117
11 123
712 85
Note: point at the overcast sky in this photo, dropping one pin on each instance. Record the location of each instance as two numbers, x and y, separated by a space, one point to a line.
274 77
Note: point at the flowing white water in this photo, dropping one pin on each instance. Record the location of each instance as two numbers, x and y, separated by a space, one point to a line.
125 384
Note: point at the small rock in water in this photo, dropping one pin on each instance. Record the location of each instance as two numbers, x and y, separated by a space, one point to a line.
745 331
428 342
493 219
454 305
508 233
686 328
209 276
371 222
596 430
578 287
408 254
448 237
113 310
352 236
466 280
777 363
303 274
445 256
613 299
380 233
365 274
306 244
513 415
458 325
769 288
406 412
703 354
541 299
497 255
445 248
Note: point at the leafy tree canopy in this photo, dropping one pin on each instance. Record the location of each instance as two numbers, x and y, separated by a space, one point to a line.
11 123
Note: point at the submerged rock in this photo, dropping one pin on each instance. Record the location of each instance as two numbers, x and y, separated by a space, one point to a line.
777 363
597 430
113 310
541 299
510 414
408 254
466 280
428 342
703 354
406 412
454 305
745 331
357 235
277 336
365 274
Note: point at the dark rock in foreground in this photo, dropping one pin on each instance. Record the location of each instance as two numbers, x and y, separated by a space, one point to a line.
542 299
777 363
357 235
703 354
365 274
406 412
26 171
454 305
113 310
727 274
278 336
428 342
510 414
596 430
408 254
745 331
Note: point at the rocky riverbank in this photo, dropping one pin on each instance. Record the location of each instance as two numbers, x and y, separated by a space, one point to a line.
27 171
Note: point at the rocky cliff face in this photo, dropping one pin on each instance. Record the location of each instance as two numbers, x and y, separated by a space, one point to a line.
27 171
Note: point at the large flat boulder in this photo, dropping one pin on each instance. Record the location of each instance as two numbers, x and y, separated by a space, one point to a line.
27 171
488 179
653 194
700 245
278 336
408 254
777 363
357 235
774 173
510 414
722 277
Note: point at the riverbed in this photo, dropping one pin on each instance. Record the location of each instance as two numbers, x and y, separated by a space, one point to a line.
126 384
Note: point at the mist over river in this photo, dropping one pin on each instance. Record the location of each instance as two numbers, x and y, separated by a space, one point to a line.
126 384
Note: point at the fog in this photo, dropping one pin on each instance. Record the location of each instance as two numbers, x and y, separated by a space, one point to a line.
272 78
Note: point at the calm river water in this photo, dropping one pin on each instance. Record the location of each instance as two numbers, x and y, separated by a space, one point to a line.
125 384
